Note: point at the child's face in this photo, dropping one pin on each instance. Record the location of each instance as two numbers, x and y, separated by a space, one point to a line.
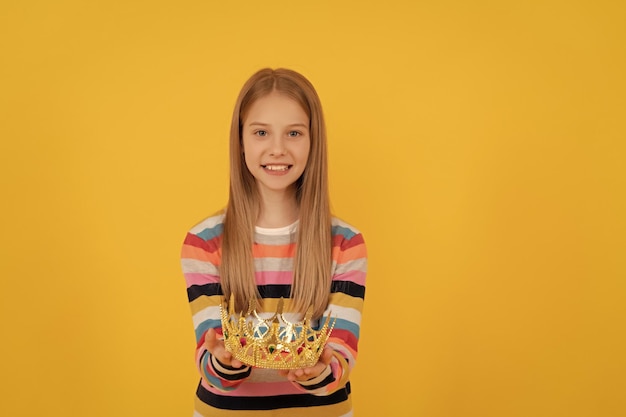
276 142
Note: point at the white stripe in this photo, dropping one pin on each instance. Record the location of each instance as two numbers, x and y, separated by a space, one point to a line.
273 264
278 231
196 266
208 223
345 313
206 314
264 376
355 265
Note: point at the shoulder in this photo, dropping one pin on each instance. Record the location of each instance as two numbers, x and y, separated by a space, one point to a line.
349 252
345 236
344 230
209 228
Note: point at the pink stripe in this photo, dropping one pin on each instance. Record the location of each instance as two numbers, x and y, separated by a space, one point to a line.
196 278
358 277
259 389
274 277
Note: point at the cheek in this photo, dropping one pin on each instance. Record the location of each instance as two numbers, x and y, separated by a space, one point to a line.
306 152
247 150
245 154
248 161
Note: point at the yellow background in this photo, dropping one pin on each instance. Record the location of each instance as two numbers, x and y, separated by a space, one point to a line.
479 146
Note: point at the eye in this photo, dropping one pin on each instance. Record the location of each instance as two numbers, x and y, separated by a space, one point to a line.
261 133
294 134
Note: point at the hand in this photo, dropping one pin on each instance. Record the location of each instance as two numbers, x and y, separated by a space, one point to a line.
304 374
216 347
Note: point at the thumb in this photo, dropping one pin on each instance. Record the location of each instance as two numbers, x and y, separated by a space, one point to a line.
327 355
210 339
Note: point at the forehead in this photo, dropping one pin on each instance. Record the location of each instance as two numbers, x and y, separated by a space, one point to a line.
275 108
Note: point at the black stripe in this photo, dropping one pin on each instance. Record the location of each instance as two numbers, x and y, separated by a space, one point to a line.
275 291
271 402
329 378
232 377
196 291
348 287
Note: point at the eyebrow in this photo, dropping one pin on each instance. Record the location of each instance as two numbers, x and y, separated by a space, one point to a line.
289 125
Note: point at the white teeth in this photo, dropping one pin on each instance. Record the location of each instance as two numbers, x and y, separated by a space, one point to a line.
277 167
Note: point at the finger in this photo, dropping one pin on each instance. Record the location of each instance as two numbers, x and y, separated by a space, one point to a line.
215 346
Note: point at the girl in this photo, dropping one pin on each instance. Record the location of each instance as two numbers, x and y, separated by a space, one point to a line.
276 238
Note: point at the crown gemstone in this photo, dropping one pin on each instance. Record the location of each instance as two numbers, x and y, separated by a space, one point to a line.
275 342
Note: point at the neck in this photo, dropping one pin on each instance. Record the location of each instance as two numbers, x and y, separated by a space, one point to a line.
278 209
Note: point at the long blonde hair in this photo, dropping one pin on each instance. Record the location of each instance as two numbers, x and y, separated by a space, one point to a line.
312 263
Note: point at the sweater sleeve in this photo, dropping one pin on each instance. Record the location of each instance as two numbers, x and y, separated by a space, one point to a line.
200 258
345 306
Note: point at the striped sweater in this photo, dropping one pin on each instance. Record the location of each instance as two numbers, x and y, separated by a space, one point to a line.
224 391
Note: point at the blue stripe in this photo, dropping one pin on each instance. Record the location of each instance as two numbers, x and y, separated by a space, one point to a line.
206 325
210 233
345 325
344 231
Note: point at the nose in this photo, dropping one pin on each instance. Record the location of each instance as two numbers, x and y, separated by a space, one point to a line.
277 146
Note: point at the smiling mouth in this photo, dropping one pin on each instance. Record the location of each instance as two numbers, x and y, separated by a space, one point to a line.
277 167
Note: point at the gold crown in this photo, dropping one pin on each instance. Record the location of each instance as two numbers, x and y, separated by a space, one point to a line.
274 343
